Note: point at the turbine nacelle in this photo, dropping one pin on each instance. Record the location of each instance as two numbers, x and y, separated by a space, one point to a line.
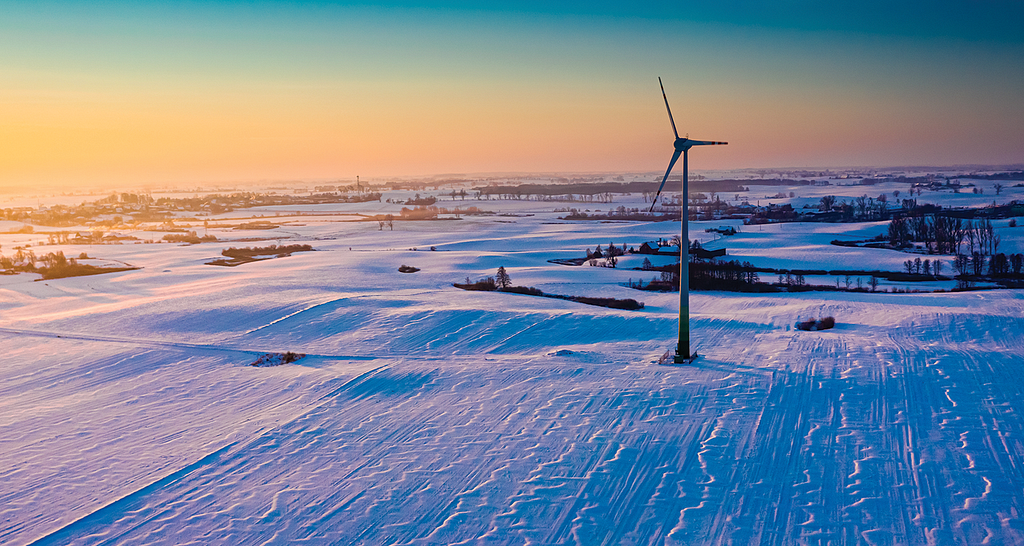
683 144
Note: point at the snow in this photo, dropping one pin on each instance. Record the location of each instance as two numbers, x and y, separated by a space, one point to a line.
424 414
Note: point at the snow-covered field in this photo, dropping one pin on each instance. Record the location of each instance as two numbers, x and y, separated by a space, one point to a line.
424 414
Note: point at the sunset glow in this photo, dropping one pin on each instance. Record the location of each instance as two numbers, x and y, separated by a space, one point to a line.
155 92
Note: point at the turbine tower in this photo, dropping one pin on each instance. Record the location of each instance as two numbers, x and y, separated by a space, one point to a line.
682 146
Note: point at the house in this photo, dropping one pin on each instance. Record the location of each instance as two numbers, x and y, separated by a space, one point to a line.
649 248
708 254
663 248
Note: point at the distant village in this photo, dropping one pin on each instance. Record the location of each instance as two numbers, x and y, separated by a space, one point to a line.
133 208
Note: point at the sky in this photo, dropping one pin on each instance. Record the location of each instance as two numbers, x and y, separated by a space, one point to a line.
195 92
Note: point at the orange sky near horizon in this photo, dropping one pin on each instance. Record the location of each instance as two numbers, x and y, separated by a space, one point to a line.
142 100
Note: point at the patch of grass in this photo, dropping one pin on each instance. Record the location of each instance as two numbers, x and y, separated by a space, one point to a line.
272 250
239 256
55 266
78 270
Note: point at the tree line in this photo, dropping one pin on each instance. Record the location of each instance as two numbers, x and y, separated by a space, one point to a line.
941 234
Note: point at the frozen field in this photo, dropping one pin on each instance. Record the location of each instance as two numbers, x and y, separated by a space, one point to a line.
425 414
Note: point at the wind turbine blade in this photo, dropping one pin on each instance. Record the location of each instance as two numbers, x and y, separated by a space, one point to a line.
672 163
669 108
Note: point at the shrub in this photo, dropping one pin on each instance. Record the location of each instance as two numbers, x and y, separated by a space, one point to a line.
813 325
486 285
805 324
276 359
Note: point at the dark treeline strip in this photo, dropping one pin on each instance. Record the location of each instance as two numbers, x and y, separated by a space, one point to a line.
734 276
1014 175
746 267
618 187
1005 271
489 285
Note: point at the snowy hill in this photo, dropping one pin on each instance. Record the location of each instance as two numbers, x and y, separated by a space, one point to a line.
424 414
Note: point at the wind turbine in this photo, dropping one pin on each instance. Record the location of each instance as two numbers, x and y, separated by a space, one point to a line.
682 146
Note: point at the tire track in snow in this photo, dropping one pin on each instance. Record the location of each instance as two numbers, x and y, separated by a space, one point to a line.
847 437
296 313
157 343
432 462
130 502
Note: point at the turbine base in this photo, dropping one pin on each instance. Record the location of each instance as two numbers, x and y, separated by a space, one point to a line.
680 359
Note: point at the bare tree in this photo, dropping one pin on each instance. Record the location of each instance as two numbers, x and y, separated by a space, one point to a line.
960 264
978 263
502 279
827 203
862 204
999 265
958 234
971 233
899 232
1016 262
